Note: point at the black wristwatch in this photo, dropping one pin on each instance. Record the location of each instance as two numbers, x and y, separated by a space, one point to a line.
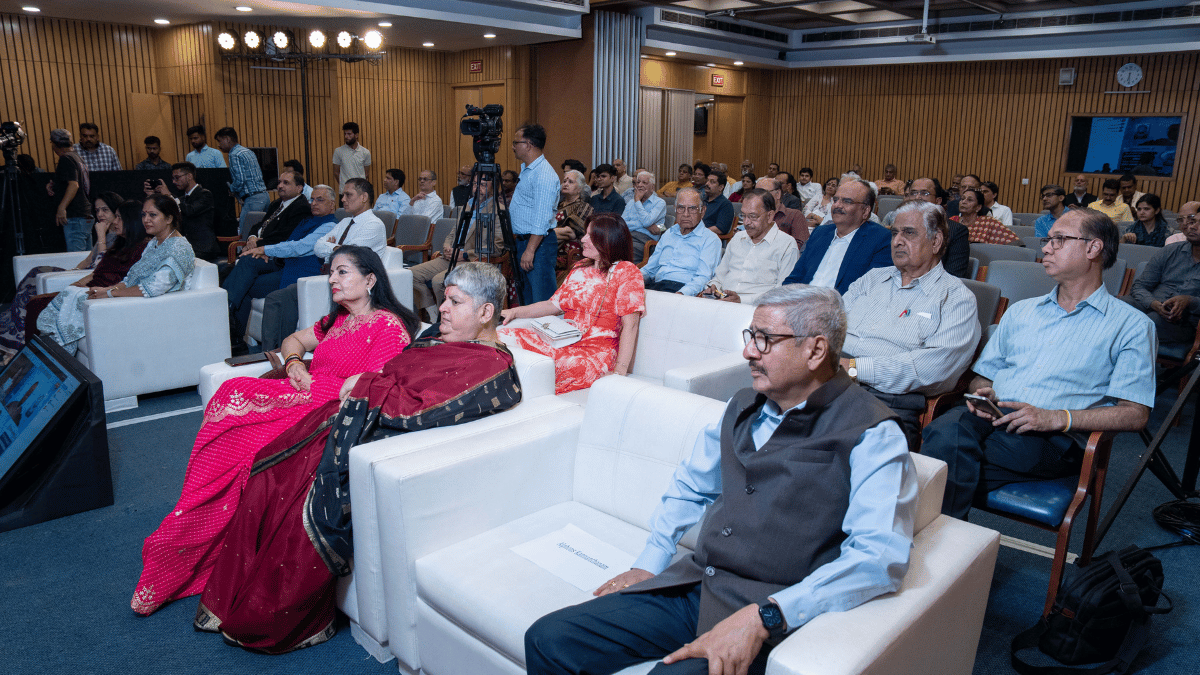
772 618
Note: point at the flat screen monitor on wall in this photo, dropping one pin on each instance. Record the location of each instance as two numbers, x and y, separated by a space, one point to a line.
1143 146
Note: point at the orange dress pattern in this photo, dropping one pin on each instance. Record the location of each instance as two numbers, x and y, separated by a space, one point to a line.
595 302
988 230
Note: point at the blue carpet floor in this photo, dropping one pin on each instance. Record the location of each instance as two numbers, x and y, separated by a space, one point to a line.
67 583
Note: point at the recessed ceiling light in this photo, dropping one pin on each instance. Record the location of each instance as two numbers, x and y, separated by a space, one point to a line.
385 24
670 53
711 65
162 22
489 36
30 8
426 44
642 56
738 63
244 8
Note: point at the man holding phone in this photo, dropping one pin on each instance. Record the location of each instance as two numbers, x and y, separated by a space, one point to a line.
1058 367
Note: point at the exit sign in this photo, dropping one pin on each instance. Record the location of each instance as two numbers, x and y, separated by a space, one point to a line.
476 67
718 80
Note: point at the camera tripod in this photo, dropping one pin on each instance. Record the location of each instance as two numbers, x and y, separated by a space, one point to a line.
11 217
488 209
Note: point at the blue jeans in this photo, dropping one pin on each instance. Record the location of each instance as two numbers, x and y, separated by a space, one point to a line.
539 283
257 202
78 233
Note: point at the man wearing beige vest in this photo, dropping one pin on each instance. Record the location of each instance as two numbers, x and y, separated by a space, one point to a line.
796 463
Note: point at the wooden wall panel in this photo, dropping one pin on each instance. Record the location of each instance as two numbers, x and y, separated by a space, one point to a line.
1004 121
58 73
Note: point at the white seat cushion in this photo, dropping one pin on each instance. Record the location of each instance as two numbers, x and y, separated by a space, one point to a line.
463 581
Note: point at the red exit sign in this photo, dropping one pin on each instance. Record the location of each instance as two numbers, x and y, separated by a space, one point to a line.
476 67
718 80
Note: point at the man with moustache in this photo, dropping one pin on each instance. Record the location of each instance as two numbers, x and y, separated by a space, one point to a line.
838 253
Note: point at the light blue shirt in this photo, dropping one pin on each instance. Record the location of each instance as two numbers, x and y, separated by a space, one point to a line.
207 157
535 198
246 173
878 521
1041 226
299 247
1050 358
687 258
639 216
396 202
307 191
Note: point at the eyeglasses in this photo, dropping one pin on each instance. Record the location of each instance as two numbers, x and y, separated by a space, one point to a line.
1056 242
845 201
425 178
912 194
763 340
1048 195
1189 220
752 216
687 209
516 143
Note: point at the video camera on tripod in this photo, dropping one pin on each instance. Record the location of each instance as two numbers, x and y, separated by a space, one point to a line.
11 138
487 207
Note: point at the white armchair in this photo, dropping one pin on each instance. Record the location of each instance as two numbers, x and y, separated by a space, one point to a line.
447 521
67 261
691 344
143 345
313 294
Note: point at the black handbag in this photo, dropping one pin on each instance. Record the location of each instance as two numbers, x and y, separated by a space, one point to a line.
1101 614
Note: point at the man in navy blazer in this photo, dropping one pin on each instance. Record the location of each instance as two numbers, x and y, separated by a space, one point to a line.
838 253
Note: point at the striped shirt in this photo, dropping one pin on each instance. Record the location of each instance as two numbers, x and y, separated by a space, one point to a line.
916 338
535 199
247 175
1100 352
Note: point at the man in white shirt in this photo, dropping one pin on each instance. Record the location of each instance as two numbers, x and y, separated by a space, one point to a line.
394 198
427 202
351 159
623 181
991 194
806 187
758 258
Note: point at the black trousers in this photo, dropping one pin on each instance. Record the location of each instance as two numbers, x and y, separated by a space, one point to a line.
613 632
664 285
909 408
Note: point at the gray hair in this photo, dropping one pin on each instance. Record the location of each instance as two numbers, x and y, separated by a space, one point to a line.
811 311
328 190
585 190
775 183
653 179
482 282
692 191
934 218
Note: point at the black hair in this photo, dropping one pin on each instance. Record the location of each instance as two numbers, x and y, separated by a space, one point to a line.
295 165
1111 184
702 168
605 168
535 134
350 126
1096 225
133 232
227 132
367 261
89 125
993 187
1128 178
186 167
804 170
152 140
722 179
363 185
398 174
197 129
576 165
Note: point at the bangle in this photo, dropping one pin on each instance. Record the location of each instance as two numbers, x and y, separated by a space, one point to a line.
109 291
288 361
1068 427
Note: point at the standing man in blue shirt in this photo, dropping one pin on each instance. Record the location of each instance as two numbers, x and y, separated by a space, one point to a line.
1073 361
532 213
247 186
203 156
786 538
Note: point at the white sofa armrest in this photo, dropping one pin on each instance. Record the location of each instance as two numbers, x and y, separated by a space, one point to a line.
66 260
931 625
214 375
719 377
55 282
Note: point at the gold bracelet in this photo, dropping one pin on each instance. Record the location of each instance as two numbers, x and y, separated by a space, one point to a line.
1068 427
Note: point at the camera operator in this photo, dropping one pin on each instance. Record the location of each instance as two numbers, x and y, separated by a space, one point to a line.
71 184
532 212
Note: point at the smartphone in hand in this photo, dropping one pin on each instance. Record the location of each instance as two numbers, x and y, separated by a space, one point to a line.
985 403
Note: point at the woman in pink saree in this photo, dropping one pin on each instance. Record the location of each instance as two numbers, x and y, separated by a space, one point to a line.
365 329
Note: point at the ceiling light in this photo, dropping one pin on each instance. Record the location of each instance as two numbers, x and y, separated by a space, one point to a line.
489 36
344 39
226 41
426 44
162 22
385 24
244 8
31 8
711 65
280 39
670 53
316 39
253 39
738 63
373 38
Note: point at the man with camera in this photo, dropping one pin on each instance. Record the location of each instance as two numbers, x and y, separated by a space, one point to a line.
532 211
195 204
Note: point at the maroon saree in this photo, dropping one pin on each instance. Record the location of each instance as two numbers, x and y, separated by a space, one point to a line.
272 587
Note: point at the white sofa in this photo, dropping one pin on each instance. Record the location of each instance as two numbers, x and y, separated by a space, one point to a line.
459 601
66 260
313 294
687 343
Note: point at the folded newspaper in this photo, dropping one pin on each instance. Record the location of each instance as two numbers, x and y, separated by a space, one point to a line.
557 331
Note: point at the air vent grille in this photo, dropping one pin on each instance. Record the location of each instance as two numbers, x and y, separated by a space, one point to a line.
686 19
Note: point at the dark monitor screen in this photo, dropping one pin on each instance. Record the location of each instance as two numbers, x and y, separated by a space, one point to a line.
33 388
268 159
1143 146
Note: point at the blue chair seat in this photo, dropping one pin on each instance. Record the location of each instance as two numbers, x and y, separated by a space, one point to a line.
1175 351
1043 501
